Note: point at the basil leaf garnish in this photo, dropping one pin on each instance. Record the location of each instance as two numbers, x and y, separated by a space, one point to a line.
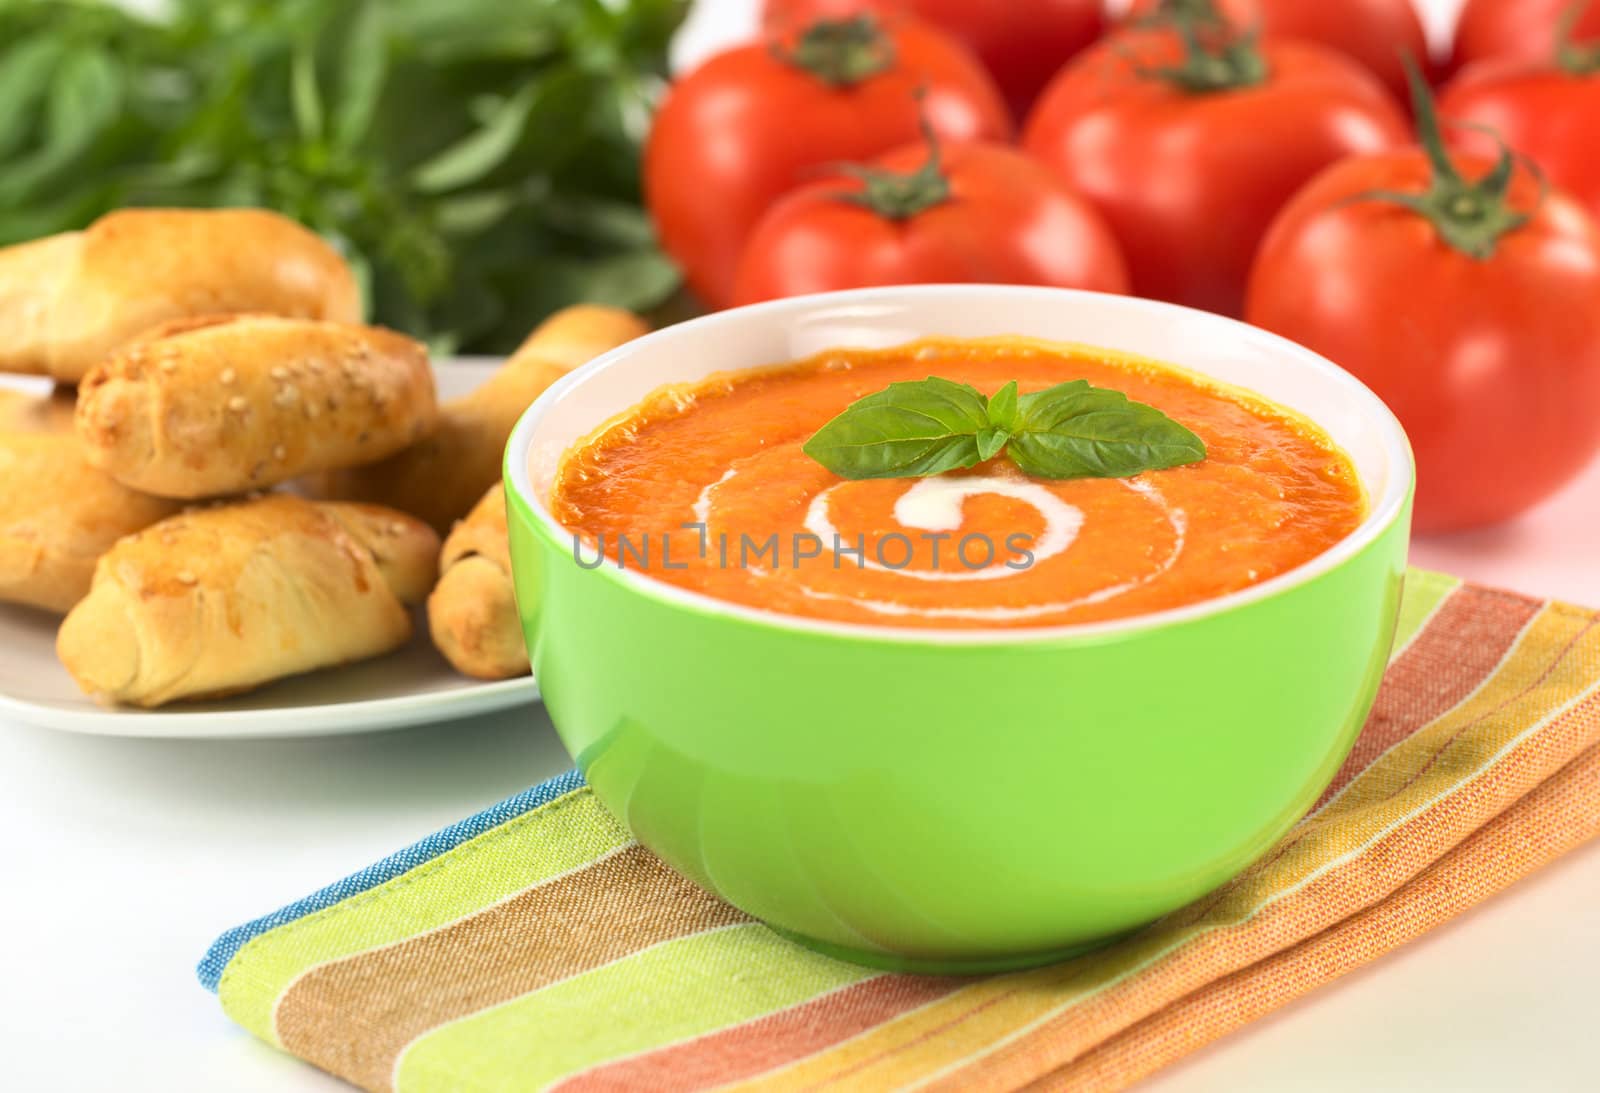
907 430
1003 408
991 440
1072 430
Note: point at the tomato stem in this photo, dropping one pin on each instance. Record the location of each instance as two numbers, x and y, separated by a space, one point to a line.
900 196
1196 12
840 52
1216 57
1573 57
1470 215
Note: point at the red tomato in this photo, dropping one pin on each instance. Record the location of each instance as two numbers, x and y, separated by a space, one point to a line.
1021 42
1487 349
1548 114
1378 33
1190 178
986 213
1521 30
749 125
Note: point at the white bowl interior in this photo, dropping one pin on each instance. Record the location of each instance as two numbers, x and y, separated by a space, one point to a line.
1231 351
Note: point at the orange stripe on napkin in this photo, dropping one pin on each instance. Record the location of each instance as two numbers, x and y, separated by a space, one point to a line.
753 1048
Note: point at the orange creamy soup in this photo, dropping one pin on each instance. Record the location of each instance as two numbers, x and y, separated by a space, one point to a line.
984 547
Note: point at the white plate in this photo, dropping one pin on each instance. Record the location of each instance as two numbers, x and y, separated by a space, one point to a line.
410 686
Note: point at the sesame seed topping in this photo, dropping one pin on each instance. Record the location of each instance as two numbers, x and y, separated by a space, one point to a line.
186 577
279 453
229 375
238 404
169 366
279 372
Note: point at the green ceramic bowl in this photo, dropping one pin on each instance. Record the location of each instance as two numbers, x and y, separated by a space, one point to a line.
959 800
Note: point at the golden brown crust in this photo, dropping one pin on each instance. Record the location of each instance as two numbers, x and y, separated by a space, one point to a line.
222 404
472 614
31 279
223 599
405 549
58 515
578 334
438 477
68 300
442 476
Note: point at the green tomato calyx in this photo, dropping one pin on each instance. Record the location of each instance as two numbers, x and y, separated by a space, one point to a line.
900 195
1217 56
1471 215
840 52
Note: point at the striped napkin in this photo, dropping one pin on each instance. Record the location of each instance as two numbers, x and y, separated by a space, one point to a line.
536 945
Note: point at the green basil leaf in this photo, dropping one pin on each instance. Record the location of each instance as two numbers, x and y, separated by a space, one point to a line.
24 77
991 440
907 430
366 60
480 152
1071 430
479 30
1074 430
85 98
475 211
304 95
613 223
634 280
1003 409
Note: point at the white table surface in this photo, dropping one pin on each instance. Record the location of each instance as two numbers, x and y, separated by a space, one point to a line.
126 857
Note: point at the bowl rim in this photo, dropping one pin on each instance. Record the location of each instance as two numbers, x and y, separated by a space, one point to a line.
1384 510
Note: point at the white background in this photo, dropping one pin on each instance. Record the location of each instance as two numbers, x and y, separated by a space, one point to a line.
126 857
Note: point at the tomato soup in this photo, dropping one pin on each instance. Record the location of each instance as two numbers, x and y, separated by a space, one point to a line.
705 486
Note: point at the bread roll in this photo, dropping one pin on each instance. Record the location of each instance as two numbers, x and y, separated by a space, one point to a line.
58 515
442 477
68 300
572 336
212 406
472 613
223 599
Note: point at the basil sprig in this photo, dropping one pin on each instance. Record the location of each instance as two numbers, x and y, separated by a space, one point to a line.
1072 430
